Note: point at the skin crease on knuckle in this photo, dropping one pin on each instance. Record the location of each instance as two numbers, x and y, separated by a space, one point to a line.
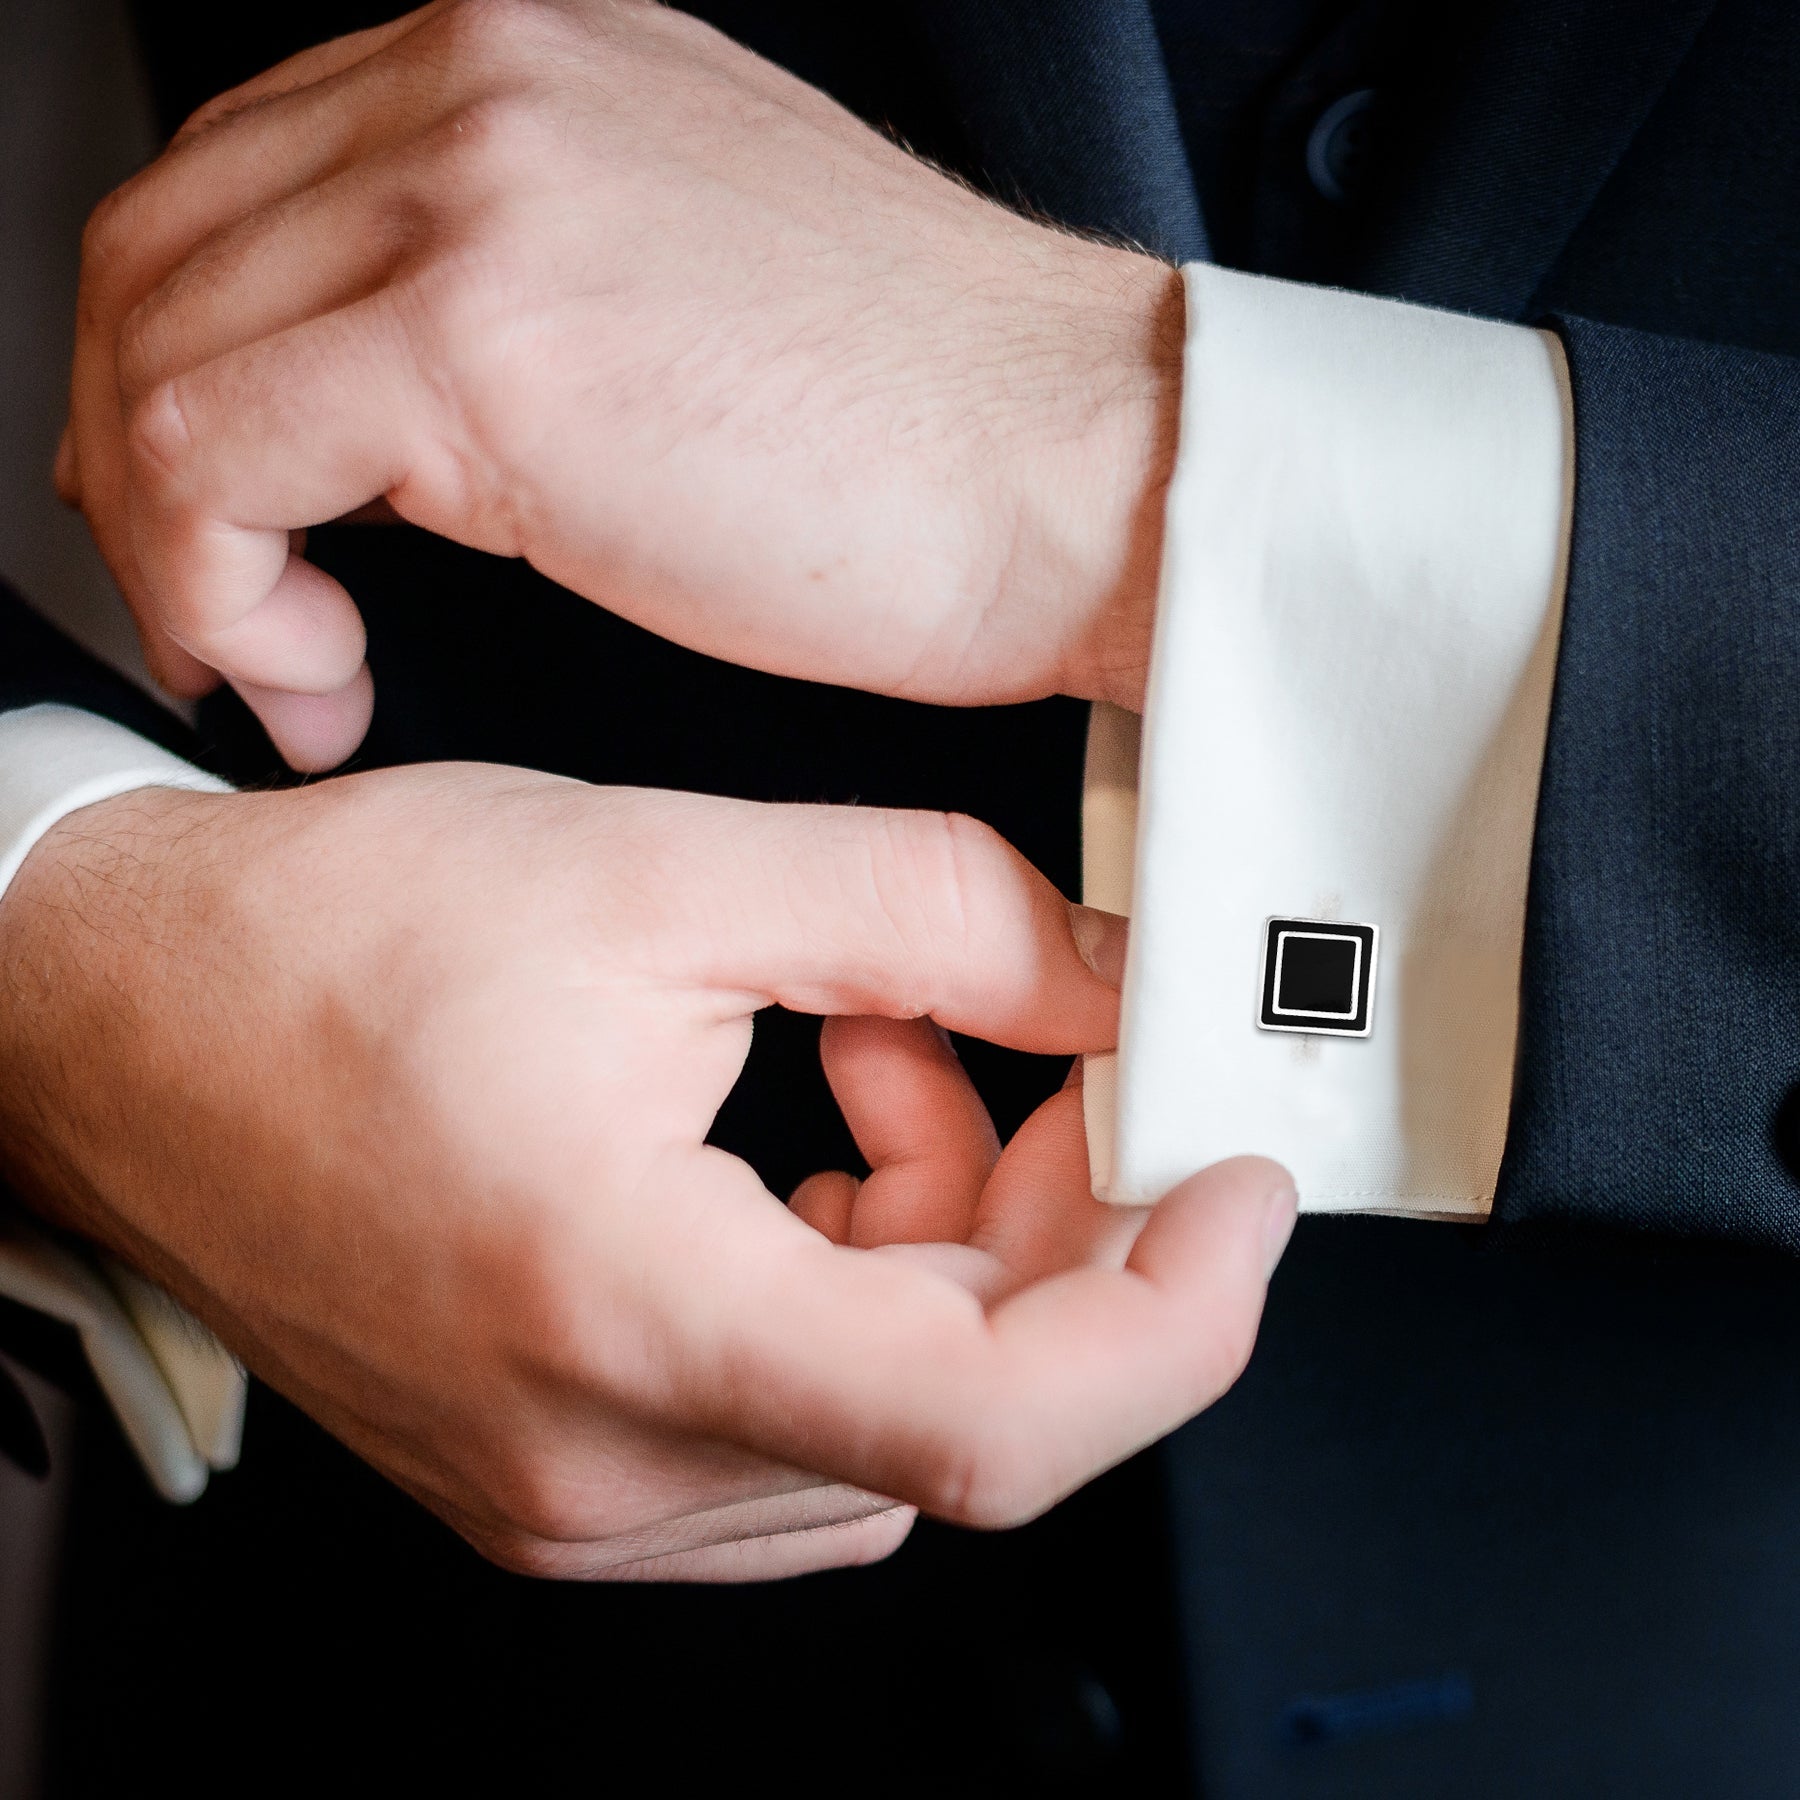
138 362
157 442
872 870
935 883
967 902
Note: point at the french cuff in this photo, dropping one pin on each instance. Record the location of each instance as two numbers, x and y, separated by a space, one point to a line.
177 1391
1349 694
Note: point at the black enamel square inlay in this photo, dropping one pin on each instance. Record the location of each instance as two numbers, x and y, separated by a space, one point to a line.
1318 975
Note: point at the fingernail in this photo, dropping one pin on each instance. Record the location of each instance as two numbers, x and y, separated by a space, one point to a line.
1100 938
1279 1211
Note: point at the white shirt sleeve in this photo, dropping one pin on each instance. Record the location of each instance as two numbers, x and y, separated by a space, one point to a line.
178 1393
1349 695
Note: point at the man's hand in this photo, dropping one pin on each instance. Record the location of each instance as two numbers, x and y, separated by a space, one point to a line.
401 1083
587 283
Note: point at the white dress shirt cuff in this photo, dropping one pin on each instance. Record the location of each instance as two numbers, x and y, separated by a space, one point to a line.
1349 695
177 1392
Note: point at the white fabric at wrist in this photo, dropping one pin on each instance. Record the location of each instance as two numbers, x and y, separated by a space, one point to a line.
1355 645
178 1393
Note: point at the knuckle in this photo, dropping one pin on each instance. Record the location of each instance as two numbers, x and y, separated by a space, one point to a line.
109 247
536 1500
989 1481
943 868
157 440
537 1480
106 230
545 1510
490 35
497 139
519 1553
137 349
979 857
968 840
479 27
212 112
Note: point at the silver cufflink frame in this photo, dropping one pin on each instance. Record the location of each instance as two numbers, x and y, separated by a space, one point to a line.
1304 977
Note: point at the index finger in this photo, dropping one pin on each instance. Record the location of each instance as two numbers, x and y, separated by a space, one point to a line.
895 914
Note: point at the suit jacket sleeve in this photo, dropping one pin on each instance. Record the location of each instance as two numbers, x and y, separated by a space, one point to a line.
1660 1018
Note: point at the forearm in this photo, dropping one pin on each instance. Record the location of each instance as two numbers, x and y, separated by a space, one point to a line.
68 807
76 965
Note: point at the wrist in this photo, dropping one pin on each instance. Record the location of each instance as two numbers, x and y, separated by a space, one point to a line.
1095 477
89 927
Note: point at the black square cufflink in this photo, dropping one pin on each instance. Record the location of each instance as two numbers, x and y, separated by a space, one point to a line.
1318 975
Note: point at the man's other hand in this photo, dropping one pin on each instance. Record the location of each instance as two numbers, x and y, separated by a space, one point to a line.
401 1082
587 283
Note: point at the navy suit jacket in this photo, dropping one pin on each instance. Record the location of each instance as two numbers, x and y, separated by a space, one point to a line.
1486 1502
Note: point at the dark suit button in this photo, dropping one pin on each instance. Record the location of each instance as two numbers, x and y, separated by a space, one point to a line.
1338 152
